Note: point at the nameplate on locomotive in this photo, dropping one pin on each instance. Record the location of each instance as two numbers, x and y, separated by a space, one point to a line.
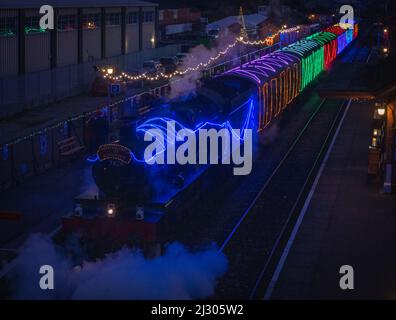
114 152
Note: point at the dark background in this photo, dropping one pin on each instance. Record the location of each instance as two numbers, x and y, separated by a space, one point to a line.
216 9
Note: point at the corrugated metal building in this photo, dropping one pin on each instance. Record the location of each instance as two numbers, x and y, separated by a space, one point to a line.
84 30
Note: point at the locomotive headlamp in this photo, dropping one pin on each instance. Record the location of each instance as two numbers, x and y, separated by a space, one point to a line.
111 210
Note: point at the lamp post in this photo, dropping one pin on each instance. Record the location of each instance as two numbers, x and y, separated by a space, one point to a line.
376 145
380 110
385 138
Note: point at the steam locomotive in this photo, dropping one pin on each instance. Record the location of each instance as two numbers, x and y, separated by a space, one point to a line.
133 197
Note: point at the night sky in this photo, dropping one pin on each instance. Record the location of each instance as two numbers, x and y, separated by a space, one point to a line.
216 9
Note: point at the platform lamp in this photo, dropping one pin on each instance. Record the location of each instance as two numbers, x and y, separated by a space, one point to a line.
380 110
111 210
378 130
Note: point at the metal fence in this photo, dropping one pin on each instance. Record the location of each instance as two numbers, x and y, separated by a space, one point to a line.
18 93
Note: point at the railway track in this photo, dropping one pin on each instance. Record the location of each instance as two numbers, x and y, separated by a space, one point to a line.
212 223
235 224
255 243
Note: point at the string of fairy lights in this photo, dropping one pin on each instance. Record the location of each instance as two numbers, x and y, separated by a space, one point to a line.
108 73
85 115
124 75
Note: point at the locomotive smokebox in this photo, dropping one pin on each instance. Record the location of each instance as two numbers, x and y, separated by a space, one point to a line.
117 175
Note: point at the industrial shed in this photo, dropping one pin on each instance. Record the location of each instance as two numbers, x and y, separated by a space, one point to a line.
84 30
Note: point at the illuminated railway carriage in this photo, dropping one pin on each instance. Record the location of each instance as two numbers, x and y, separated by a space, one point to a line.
277 79
329 42
247 97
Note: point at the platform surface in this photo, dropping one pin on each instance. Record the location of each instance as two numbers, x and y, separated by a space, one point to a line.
349 222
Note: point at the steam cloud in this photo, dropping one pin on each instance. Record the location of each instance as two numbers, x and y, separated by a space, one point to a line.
126 274
187 84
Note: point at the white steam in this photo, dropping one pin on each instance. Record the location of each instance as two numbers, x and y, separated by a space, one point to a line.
126 274
188 84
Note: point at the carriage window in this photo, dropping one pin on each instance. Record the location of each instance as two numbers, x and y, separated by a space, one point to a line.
282 91
264 116
290 73
278 94
273 98
296 79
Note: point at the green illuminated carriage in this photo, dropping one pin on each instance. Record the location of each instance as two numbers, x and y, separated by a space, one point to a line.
311 54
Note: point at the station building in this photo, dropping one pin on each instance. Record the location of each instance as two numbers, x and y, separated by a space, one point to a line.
84 31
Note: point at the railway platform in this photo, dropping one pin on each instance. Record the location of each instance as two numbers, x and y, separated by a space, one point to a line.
349 221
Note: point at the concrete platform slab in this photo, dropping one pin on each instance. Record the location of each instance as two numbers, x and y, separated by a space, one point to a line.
349 222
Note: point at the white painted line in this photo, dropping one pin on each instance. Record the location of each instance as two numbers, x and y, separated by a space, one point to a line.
7 268
247 211
53 232
369 56
282 260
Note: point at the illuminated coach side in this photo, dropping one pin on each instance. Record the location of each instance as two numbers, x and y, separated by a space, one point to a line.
330 43
311 54
277 77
